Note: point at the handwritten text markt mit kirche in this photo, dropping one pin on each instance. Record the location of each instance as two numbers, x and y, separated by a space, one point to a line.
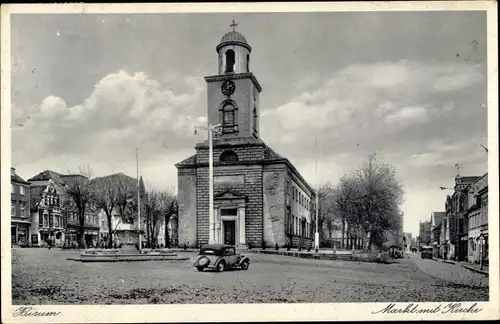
451 308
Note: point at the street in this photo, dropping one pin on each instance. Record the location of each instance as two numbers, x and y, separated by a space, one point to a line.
42 276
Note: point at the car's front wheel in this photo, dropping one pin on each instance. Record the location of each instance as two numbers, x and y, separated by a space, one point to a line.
221 266
245 265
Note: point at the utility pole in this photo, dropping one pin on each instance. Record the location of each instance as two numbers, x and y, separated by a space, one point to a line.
316 235
138 201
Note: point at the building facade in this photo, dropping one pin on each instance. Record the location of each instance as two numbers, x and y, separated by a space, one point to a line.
424 233
20 223
458 224
477 220
47 216
436 221
70 221
447 248
259 196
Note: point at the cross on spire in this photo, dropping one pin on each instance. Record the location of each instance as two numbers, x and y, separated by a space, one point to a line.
234 24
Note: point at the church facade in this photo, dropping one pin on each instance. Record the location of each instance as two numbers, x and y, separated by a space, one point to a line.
259 196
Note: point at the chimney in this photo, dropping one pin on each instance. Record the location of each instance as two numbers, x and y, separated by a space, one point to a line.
12 172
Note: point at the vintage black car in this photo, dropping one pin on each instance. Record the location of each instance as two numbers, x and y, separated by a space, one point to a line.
220 257
426 252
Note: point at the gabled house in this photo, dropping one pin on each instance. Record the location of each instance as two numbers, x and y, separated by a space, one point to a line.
60 184
46 215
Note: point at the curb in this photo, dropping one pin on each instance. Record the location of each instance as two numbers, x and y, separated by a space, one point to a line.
449 262
320 256
476 270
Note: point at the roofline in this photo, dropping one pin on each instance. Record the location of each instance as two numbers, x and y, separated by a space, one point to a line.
233 42
22 181
483 190
258 162
235 76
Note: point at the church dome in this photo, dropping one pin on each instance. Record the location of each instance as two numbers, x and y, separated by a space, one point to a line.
233 38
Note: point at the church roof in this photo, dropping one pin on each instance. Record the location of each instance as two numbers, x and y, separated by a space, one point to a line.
190 160
233 36
269 154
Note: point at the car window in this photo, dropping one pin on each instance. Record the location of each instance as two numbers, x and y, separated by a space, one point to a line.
229 251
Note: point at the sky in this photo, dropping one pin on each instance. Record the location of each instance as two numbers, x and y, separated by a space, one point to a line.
409 87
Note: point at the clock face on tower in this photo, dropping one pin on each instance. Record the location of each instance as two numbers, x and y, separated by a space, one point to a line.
228 87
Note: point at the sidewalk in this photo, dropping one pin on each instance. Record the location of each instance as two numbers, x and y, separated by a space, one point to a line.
469 266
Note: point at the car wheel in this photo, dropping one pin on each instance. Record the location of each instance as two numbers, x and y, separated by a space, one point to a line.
221 266
200 268
245 265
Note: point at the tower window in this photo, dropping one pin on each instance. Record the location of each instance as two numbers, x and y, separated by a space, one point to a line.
228 117
229 61
228 156
248 62
255 119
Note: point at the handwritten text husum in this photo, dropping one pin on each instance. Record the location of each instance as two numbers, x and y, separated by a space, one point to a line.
30 311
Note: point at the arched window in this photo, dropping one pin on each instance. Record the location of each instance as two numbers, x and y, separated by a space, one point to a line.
228 115
229 61
228 156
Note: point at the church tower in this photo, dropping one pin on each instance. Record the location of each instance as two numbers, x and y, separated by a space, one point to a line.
258 197
233 94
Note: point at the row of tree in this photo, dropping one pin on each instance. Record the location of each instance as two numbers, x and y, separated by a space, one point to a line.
366 202
116 195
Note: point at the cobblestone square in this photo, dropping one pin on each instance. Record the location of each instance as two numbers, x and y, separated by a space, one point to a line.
42 276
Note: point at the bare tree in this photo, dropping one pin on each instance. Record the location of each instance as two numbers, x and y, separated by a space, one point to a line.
169 209
111 195
159 206
151 204
81 194
326 208
369 200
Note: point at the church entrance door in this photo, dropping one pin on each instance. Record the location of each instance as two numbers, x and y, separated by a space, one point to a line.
229 232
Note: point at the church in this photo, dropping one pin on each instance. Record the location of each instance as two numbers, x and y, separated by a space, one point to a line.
259 197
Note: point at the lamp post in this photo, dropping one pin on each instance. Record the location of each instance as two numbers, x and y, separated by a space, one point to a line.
213 225
316 234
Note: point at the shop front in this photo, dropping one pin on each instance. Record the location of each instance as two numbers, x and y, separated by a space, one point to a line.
19 233
91 238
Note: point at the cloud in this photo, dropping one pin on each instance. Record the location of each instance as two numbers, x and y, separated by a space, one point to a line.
363 102
406 112
124 111
407 115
